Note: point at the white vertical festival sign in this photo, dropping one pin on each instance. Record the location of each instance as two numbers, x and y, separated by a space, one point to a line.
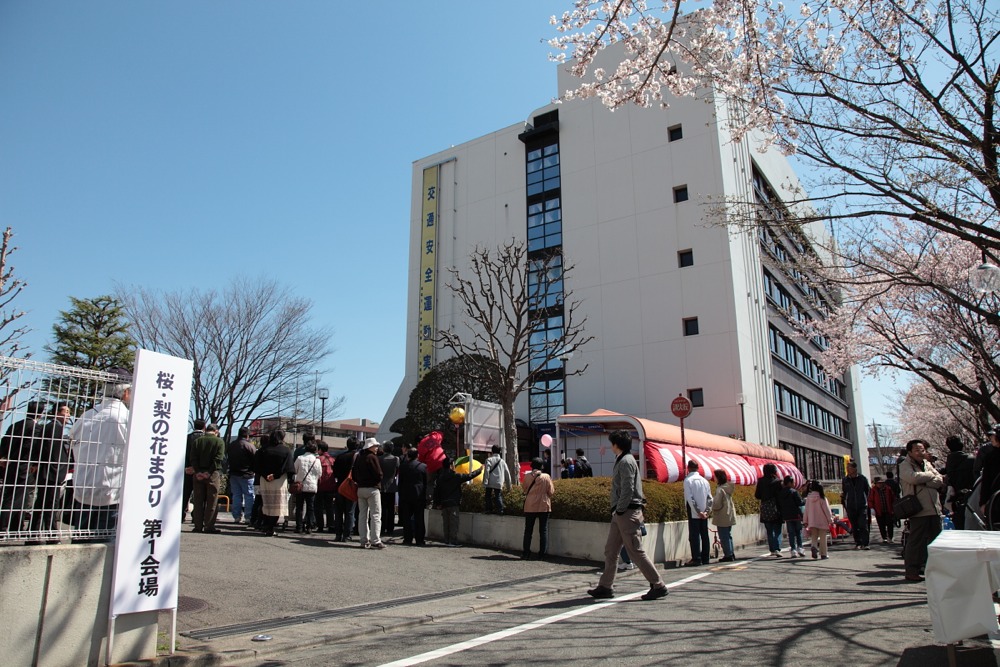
147 550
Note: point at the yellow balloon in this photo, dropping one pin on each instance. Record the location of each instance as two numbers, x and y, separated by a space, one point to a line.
457 415
462 466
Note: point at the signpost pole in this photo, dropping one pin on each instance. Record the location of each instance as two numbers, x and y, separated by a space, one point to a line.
681 407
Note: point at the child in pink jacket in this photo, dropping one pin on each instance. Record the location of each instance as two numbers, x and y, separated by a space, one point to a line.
817 518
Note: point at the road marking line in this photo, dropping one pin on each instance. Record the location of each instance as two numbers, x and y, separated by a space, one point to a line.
510 632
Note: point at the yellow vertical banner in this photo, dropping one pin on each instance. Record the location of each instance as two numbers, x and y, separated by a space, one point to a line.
428 271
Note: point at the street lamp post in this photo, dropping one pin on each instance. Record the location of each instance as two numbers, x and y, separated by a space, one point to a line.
323 394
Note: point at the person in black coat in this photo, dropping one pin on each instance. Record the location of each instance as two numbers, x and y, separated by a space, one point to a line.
53 466
448 496
19 463
343 508
276 468
958 470
412 498
768 492
855 500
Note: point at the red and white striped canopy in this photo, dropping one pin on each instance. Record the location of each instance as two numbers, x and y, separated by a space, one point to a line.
784 469
665 460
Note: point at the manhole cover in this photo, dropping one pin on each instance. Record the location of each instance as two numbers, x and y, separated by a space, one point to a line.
190 604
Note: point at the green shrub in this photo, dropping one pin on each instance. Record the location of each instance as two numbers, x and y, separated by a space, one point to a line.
589 499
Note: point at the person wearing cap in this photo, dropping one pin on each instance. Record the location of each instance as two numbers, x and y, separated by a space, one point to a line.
368 474
98 444
627 501
207 453
881 500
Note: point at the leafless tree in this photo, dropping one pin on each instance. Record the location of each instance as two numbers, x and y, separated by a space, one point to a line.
508 300
10 287
249 344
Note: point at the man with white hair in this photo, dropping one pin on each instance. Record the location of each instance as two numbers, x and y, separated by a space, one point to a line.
99 441
367 473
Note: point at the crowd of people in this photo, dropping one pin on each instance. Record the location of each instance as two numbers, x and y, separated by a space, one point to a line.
941 495
370 488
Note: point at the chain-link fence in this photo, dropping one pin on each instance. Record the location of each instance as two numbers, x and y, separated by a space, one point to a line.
62 451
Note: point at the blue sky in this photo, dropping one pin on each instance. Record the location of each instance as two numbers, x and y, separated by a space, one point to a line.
177 145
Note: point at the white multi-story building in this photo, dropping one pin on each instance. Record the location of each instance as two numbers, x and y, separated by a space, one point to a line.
678 303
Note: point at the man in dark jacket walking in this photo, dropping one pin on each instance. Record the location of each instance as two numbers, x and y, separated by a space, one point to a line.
448 496
855 500
412 498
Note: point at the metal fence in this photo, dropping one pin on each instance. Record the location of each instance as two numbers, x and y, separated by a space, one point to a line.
52 435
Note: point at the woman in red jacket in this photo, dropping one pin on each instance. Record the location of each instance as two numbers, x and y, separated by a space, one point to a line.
880 500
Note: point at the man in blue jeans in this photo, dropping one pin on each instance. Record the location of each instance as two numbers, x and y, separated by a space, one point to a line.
698 498
240 454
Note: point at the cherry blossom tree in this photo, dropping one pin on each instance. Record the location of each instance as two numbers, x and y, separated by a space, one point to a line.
908 306
890 104
926 413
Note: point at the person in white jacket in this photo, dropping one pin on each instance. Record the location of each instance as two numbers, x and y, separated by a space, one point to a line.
307 472
698 498
99 440
495 480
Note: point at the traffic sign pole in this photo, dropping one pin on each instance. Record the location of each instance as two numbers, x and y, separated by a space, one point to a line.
681 407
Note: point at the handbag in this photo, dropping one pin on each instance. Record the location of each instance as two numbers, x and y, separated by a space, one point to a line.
906 507
348 488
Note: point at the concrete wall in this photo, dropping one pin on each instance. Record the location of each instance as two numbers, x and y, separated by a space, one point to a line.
585 539
54 608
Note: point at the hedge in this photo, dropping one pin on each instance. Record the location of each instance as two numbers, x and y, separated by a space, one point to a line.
588 499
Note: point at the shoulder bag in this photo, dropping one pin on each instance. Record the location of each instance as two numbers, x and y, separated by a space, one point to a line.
295 487
348 489
906 507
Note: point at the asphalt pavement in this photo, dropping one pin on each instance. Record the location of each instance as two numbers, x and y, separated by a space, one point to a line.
318 602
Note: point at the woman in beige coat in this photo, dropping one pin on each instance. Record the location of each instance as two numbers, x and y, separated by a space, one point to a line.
538 491
724 513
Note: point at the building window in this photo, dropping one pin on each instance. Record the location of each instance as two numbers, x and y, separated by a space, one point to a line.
675 133
691 326
547 401
685 258
545 224
697 397
680 194
543 169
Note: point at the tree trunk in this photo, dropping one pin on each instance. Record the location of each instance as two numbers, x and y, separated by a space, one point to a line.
510 438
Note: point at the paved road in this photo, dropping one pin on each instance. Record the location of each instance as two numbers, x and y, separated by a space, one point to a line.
376 608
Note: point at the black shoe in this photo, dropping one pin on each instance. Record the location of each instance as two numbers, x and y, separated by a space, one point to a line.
197 530
601 593
213 531
655 593
525 556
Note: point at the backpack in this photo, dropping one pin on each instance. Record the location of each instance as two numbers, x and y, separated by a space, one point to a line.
583 468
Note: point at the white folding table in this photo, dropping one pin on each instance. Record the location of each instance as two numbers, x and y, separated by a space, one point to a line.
963 571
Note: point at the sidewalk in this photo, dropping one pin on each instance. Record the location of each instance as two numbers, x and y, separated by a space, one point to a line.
307 591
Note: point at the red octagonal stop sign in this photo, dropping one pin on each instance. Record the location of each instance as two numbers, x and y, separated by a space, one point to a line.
681 407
